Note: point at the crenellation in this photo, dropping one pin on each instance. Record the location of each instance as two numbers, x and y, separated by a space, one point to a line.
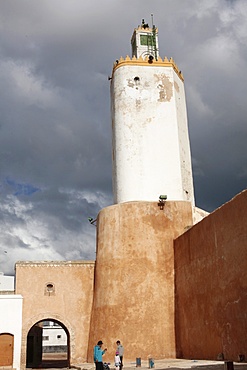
145 62
147 29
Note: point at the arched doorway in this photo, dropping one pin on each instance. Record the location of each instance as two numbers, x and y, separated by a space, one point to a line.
6 349
48 345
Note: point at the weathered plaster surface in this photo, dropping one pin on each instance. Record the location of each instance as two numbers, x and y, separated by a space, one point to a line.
164 86
150 135
70 304
211 284
134 280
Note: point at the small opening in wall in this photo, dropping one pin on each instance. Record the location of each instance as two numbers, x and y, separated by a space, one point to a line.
136 78
49 287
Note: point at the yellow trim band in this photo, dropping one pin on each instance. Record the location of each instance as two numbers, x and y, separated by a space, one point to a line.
145 62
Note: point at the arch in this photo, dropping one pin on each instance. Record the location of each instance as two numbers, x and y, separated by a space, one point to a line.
147 54
6 349
37 354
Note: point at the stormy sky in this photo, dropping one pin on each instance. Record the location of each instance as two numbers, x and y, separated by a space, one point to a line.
55 130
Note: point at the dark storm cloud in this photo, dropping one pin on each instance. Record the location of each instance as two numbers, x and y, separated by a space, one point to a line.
55 126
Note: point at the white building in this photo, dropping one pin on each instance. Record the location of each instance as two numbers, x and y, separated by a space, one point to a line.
7 283
10 330
54 338
10 323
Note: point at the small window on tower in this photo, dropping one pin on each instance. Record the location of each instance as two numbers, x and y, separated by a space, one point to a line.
137 81
146 40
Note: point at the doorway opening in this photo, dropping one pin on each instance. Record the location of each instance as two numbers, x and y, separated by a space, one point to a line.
48 345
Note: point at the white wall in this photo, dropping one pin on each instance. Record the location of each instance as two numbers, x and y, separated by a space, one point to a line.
52 333
151 151
7 282
11 322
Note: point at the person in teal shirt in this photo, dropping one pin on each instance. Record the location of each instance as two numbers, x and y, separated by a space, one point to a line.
97 355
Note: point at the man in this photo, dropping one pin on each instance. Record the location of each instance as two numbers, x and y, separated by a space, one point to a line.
120 350
97 355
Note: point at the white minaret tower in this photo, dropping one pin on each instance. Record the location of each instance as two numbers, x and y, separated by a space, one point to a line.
151 151
151 157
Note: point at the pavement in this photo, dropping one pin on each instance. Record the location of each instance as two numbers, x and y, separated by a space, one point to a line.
174 364
171 364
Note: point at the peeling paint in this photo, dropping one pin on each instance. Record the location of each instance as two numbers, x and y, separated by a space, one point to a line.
165 87
130 82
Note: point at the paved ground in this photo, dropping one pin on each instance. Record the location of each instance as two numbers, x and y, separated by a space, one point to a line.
173 364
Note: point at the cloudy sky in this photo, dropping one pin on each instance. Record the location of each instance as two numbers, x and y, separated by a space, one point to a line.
55 137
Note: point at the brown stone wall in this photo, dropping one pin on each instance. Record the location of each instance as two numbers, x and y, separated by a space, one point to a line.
70 303
211 284
134 278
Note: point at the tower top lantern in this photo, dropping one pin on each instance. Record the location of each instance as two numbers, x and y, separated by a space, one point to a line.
144 41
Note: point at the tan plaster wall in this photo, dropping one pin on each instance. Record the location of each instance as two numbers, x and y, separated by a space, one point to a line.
134 278
211 284
71 304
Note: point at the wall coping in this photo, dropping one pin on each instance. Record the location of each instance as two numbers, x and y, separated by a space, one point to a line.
53 263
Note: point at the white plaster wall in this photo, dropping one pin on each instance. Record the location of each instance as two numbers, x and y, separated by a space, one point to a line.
7 282
149 122
184 144
11 322
52 333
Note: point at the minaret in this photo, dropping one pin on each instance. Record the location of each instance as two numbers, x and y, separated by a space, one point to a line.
151 151
134 292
